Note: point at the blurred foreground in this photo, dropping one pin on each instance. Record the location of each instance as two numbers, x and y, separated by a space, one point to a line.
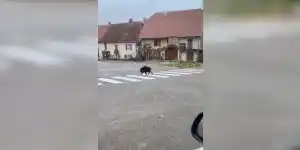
251 76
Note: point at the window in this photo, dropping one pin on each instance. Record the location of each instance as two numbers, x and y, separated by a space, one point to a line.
128 47
156 42
190 43
147 45
139 43
182 46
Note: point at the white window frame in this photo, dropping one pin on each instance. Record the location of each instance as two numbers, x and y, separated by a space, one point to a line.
129 47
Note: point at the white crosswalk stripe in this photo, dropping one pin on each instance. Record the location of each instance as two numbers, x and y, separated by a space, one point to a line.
183 73
184 70
110 80
158 76
140 78
169 74
127 79
198 72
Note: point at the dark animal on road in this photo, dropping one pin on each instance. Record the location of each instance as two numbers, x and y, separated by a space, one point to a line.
146 70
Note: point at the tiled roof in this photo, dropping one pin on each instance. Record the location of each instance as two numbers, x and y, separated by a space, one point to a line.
101 31
122 32
181 23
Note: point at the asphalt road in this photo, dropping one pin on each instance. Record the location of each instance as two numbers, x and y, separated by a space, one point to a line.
154 114
252 90
47 103
48 69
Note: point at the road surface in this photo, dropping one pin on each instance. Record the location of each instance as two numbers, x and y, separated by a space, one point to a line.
251 81
46 105
151 114
48 73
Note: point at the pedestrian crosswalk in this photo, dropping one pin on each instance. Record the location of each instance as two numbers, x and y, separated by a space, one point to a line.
134 78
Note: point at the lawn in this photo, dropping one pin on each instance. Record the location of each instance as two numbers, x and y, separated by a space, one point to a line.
183 65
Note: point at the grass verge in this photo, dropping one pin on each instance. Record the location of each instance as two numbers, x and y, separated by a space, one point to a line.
184 65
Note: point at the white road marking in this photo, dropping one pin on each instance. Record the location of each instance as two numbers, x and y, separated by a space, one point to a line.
201 148
110 81
183 73
127 79
158 76
169 74
186 70
198 72
141 77
116 69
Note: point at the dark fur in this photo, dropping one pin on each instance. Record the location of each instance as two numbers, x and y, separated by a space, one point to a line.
146 70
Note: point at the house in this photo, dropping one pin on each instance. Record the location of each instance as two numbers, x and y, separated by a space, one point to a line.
119 40
101 31
177 35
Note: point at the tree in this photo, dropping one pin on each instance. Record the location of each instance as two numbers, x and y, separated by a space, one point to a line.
200 56
117 53
142 52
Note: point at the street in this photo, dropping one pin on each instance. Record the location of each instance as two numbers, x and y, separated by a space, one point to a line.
251 88
46 105
154 114
47 76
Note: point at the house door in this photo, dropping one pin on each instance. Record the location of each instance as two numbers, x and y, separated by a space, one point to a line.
189 55
171 53
190 43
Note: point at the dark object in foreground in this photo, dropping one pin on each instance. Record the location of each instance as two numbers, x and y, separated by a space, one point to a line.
146 70
197 128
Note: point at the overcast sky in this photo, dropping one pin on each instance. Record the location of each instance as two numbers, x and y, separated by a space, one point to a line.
121 10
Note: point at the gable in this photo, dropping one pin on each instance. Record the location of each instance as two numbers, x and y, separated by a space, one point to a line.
122 33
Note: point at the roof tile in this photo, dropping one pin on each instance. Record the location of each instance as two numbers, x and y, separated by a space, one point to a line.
183 23
101 30
122 33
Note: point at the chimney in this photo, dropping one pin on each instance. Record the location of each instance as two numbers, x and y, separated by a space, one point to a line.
109 23
165 13
144 19
130 20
